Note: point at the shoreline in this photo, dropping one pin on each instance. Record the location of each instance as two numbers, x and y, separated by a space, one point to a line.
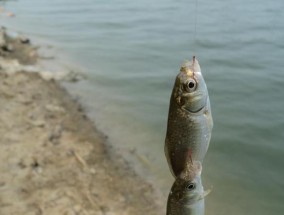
54 160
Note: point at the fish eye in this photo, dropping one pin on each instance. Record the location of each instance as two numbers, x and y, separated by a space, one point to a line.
190 85
190 186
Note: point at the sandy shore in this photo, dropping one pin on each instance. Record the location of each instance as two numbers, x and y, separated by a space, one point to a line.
53 160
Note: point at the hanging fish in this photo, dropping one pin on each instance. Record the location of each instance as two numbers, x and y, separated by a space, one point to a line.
189 121
187 194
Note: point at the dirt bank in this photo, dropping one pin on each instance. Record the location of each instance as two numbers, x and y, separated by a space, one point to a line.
53 160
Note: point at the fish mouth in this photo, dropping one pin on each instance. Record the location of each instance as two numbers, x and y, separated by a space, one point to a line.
190 200
187 109
200 98
191 111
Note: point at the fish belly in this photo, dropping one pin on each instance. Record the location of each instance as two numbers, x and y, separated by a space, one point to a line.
187 140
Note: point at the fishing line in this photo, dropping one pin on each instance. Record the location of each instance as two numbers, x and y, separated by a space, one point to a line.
195 27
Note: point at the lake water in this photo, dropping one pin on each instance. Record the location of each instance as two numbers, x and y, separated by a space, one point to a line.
132 50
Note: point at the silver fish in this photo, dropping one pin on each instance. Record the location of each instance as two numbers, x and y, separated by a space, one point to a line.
189 121
186 197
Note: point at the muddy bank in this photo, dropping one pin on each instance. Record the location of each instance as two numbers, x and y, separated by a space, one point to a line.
53 160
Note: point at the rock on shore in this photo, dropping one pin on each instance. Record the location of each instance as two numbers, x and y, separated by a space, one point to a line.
53 161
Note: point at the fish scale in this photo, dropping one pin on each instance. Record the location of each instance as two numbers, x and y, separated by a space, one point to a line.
187 139
189 121
184 201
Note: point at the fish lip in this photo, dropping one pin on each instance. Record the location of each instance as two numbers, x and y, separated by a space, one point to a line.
197 111
193 112
192 200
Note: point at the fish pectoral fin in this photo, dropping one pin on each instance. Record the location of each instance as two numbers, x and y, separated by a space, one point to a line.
204 194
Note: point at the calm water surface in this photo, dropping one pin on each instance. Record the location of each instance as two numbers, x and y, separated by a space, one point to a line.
132 50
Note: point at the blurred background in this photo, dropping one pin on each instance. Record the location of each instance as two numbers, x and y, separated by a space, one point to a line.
131 52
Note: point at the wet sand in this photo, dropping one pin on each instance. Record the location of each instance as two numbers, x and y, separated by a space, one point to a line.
53 160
